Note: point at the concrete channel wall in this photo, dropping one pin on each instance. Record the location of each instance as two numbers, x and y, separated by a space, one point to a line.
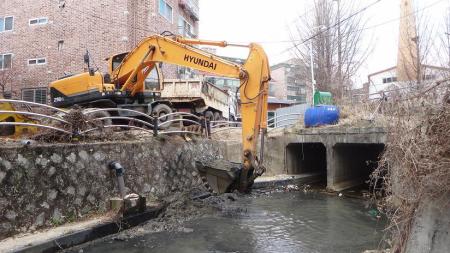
344 156
46 185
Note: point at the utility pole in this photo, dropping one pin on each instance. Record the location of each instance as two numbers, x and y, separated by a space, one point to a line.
313 80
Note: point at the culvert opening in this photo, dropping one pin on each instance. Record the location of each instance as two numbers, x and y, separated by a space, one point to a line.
307 159
355 163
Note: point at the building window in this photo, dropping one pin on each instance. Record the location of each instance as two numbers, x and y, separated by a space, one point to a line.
5 61
390 79
429 77
184 28
60 45
293 88
38 21
165 10
37 95
300 99
6 24
37 61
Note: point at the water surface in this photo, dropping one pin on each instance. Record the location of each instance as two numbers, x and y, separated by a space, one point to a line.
280 222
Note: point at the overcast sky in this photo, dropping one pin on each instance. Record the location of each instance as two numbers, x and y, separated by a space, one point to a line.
268 22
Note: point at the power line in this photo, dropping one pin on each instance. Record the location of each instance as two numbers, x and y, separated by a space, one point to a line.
332 26
358 30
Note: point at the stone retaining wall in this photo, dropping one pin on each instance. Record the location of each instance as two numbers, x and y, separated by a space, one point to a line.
45 185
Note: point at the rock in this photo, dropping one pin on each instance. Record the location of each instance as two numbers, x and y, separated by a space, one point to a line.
3 203
2 176
146 188
6 165
57 215
52 195
187 230
39 220
22 160
78 201
81 190
70 190
83 155
91 199
79 165
99 156
6 226
10 215
56 158
72 158
42 161
30 208
45 205
51 171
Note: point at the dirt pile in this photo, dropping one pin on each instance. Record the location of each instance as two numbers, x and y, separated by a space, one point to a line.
182 207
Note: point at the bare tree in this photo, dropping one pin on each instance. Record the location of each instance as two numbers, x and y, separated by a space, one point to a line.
6 79
335 31
443 51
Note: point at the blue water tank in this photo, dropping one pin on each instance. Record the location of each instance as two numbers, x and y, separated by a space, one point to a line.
321 115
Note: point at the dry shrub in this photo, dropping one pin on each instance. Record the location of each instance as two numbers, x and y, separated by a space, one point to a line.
416 162
77 123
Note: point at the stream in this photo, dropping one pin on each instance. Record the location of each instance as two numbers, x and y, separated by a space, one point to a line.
267 222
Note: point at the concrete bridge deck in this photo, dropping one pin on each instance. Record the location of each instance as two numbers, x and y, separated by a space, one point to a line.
346 156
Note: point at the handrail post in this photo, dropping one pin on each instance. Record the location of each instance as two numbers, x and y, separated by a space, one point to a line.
155 126
208 128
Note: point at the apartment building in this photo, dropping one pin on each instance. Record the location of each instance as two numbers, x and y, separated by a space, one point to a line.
385 82
287 82
41 41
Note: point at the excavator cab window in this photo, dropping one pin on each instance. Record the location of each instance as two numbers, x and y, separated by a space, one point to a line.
153 80
117 60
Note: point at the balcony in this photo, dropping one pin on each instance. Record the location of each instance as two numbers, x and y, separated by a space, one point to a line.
191 7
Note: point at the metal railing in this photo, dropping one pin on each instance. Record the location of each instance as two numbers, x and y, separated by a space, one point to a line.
273 123
117 117
162 125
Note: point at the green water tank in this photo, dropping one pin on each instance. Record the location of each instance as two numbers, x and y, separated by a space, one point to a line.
322 98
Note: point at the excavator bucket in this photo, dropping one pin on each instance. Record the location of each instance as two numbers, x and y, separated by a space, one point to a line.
221 175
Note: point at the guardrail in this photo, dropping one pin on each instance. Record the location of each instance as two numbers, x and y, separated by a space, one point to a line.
162 125
113 118
273 123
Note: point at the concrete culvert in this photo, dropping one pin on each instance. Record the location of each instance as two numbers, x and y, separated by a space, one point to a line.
306 158
355 163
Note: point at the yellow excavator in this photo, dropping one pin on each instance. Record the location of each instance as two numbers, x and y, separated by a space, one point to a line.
125 86
14 131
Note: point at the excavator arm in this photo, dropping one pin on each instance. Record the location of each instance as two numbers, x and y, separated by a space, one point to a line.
254 77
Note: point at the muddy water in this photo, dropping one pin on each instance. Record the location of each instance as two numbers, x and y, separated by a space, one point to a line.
278 222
